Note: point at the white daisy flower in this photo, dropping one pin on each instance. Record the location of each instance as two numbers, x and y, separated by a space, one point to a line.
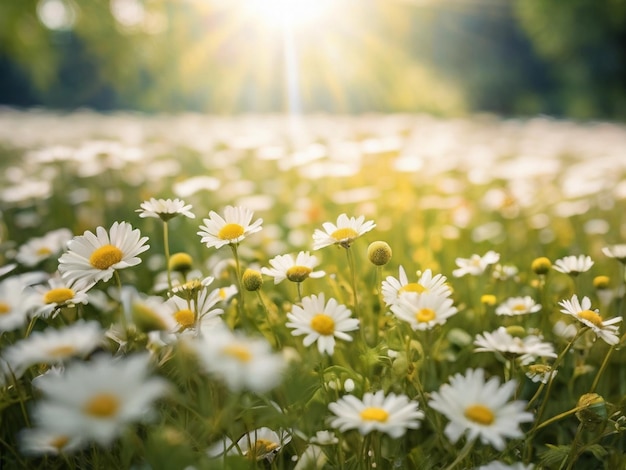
263 443
324 438
227 292
476 264
391 414
321 322
392 288
313 457
616 251
38 249
540 372
497 465
165 209
148 312
480 409
97 399
52 346
423 311
241 362
607 330
528 349
15 304
93 258
518 306
57 294
232 229
35 441
344 233
296 270
200 309
573 265
505 272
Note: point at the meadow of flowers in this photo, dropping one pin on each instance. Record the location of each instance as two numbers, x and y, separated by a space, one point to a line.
382 291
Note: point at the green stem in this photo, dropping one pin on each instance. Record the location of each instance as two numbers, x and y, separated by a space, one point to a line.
118 281
353 279
166 246
299 287
605 362
233 247
573 453
464 453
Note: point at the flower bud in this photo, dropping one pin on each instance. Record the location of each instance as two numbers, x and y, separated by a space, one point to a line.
252 280
180 262
601 282
541 265
379 253
593 410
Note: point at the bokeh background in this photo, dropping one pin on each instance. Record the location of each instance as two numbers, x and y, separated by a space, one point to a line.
447 57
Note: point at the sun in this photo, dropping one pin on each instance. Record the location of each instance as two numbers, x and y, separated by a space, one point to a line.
289 13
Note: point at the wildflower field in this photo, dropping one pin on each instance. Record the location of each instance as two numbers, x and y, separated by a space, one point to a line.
342 292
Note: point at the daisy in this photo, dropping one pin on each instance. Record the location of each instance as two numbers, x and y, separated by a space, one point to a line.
263 443
528 349
148 312
607 330
165 209
321 322
480 409
573 265
423 311
92 258
540 372
35 441
285 267
38 249
518 306
616 251
53 346
391 414
392 288
497 465
15 305
57 294
232 229
476 264
344 233
97 399
199 309
241 362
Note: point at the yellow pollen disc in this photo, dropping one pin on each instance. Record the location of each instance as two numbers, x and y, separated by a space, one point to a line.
425 315
479 414
185 318
412 287
58 295
261 448
344 234
519 307
62 351
105 257
241 353
298 273
59 442
374 414
4 308
323 324
43 251
230 232
222 293
103 405
592 317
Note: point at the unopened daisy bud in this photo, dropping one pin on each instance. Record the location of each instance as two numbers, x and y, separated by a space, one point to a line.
541 265
379 253
252 280
601 282
516 331
593 410
180 262
348 385
146 319
488 299
459 337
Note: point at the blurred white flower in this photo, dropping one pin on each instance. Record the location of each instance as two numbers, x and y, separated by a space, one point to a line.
38 249
476 264
573 265
518 306
165 209
616 251
528 349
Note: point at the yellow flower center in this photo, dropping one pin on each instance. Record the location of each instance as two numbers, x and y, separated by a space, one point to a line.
59 442
412 287
103 405
58 295
323 324
488 299
230 232
592 317
222 293
261 448
105 257
43 251
519 307
374 414
4 308
479 414
425 315
298 273
185 318
239 352
62 351
346 233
